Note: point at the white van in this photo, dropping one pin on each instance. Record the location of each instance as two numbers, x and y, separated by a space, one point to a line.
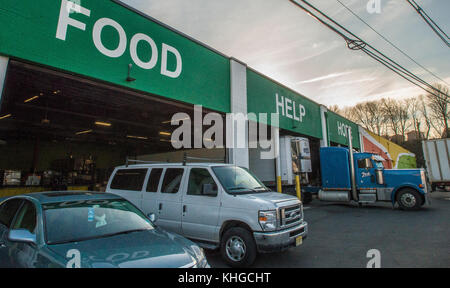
216 205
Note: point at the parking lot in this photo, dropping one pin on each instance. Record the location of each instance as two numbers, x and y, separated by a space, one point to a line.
341 234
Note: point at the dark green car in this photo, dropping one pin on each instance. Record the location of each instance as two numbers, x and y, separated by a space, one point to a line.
87 230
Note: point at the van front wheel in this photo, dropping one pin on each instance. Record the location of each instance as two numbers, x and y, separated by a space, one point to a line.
238 247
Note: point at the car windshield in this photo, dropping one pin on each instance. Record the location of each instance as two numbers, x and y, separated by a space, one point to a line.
84 220
237 180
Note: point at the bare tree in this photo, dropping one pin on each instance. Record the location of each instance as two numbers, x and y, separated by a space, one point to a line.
403 117
416 117
373 108
359 112
439 111
335 109
424 110
391 113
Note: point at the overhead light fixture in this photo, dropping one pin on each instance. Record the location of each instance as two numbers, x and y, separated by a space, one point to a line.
137 137
5 116
31 99
56 92
84 132
165 133
170 121
105 124
166 140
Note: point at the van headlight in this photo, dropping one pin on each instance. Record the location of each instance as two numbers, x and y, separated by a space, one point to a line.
268 220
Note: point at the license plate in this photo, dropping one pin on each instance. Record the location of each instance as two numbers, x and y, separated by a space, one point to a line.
298 241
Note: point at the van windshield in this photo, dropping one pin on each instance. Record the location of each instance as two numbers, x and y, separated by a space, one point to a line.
237 180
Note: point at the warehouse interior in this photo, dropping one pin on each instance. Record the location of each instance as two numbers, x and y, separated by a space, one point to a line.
59 131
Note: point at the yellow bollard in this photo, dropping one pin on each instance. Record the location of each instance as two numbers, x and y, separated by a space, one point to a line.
279 189
298 189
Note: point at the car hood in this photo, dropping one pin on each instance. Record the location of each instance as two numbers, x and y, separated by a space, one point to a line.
271 198
145 249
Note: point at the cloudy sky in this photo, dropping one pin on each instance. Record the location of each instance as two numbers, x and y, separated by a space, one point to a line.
283 42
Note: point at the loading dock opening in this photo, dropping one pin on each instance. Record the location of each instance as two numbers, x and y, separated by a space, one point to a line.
59 131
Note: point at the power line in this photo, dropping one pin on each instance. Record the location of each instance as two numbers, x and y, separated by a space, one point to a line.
392 44
358 44
430 22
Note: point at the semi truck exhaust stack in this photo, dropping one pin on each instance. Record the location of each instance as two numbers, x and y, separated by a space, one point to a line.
352 165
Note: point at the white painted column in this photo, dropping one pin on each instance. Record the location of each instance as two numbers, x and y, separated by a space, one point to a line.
238 136
3 66
276 143
361 138
324 141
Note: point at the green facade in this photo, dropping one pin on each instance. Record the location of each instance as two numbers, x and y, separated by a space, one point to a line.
303 116
337 130
29 32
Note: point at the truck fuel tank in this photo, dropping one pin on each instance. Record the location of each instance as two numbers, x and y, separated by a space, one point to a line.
334 196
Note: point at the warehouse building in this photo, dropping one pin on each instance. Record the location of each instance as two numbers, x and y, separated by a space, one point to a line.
87 85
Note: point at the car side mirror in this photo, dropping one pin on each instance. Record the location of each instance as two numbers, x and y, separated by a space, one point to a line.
209 190
152 217
22 235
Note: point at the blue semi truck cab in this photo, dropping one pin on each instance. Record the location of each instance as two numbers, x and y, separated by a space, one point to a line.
372 182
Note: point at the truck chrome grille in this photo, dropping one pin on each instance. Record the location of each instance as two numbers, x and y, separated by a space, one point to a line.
290 216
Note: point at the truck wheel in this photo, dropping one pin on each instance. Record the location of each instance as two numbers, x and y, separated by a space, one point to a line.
238 248
409 199
306 198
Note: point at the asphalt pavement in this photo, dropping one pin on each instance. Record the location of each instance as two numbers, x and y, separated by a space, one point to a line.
340 235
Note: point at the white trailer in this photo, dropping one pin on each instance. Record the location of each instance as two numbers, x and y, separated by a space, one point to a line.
294 159
437 161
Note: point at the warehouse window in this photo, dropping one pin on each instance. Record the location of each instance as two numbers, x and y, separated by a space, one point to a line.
129 179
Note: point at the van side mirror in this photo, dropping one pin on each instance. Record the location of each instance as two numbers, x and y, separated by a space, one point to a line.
22 236
209 189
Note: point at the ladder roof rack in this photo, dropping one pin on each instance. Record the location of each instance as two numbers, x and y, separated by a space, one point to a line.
185 160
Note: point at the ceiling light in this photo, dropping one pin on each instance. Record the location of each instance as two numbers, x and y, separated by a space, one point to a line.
170 121
5 116
165 133
137 137
83 132
105 124
165 140
31 99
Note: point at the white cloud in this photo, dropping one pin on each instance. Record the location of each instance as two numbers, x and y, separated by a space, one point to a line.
326 77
